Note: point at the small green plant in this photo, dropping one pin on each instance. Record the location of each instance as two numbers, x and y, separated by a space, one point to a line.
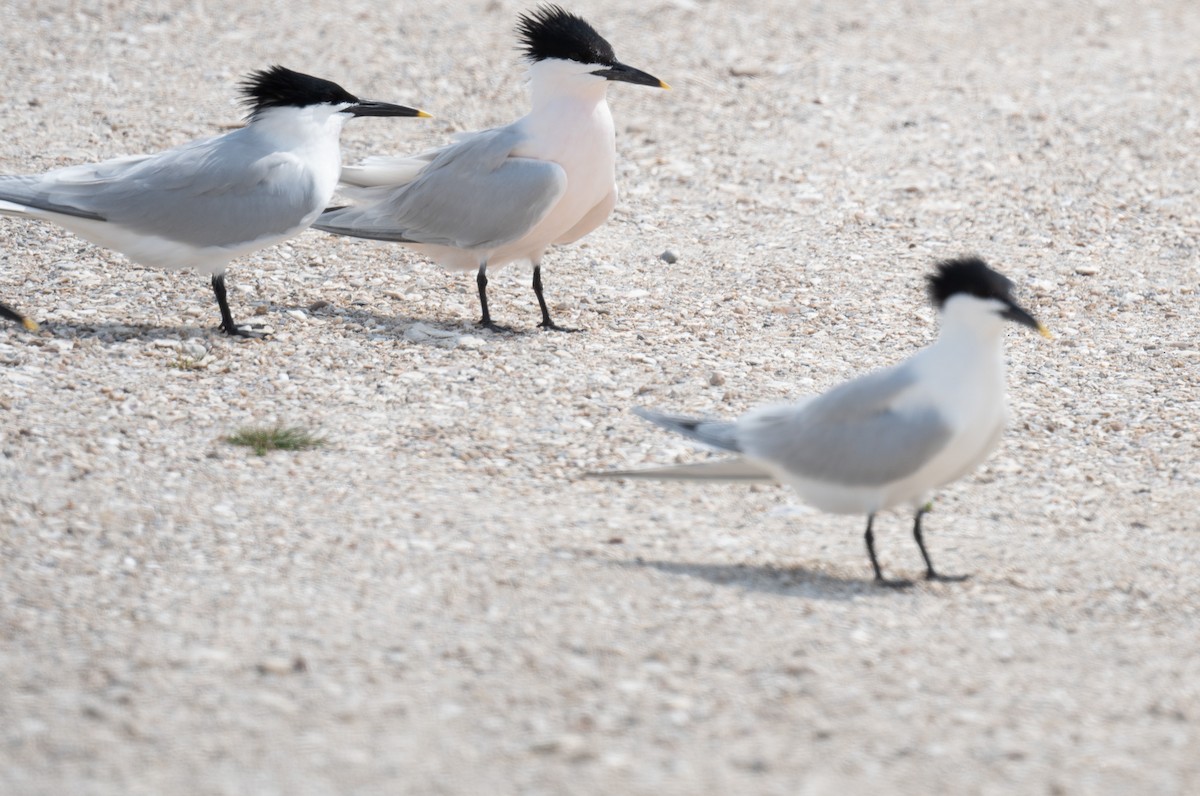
185 363
276 438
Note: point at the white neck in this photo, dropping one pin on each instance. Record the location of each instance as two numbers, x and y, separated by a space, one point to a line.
972 321
309 134
968 357
555 81
291 128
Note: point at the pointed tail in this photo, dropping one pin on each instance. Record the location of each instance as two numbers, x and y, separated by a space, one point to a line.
719 434
730 470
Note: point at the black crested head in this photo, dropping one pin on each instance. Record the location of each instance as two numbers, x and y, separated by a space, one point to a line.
969 275
551 32
279 87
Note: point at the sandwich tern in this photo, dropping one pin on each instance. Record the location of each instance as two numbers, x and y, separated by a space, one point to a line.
507 193
887 438
207 202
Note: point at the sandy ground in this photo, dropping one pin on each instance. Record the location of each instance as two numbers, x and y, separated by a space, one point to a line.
435 601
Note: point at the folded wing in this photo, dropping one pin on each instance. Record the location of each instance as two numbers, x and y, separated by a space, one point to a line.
213 192
867 432
472 194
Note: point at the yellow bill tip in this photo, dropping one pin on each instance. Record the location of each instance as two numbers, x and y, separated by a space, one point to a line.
29 324
664 85
423 115
1044 332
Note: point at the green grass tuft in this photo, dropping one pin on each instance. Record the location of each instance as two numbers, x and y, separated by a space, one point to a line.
276 438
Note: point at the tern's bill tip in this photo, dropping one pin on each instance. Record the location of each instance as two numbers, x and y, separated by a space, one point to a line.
664 84
423 115
1044 332
29 324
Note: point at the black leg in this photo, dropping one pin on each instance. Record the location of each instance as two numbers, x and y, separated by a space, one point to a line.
227 325
880 580
12 315
537 290
930 573
481 281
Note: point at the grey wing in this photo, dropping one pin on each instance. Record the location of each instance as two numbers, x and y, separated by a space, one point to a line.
387 172
472 195
854 435
222 191
390 171
24 192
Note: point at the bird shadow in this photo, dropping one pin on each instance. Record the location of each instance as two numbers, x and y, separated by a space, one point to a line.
397 326
438 330
115 332
793 581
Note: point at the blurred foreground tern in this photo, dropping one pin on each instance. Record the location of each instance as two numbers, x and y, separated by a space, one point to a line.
887 438
202 204
507 193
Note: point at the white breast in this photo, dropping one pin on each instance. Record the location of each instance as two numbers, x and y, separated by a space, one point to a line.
577 135
968 389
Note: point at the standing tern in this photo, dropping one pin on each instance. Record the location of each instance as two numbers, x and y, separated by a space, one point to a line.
507 193
887 438
202 204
